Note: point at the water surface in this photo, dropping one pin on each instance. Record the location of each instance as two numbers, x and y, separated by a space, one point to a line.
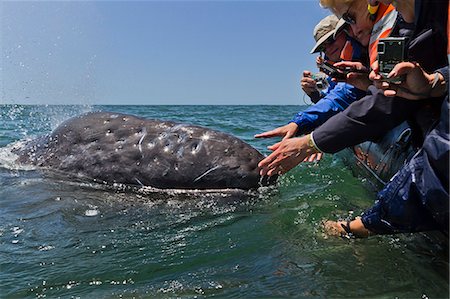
65 239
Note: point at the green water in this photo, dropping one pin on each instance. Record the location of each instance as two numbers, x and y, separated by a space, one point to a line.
68 240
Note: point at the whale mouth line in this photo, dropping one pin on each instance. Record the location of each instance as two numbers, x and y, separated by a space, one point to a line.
206 173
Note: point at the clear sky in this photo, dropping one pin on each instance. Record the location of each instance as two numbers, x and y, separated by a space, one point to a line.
156 52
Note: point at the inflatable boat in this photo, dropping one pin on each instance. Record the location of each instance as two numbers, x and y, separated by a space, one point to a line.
379 161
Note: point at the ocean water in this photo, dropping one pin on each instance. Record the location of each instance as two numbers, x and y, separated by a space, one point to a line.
79 240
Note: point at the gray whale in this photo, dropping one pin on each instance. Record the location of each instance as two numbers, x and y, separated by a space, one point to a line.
112 148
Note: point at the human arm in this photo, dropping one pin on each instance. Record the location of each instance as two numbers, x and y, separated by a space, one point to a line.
305 121
368 119
338 99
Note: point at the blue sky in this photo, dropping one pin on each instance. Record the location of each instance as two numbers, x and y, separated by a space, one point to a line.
156 52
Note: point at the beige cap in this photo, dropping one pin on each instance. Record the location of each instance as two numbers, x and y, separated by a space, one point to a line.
340 25
325 30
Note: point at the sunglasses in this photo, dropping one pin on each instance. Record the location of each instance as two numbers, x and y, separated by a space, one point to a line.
349 18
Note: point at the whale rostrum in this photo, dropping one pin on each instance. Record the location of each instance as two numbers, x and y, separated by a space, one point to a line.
119 148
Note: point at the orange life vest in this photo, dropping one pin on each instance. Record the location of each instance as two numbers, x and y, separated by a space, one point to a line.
385 21
347 51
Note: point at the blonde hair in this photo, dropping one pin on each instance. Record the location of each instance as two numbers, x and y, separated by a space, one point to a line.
331 4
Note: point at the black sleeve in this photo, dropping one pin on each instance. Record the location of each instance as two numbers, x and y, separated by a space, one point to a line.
368 119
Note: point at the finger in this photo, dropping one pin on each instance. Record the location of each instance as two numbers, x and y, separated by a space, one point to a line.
390 93
307 74
283 163
267 160
268 134
401 69
263 171
308 81
374 76
375 67
275 146
385 85
342 63
353 75
288 135
319 156
264 162
345 64
272 172
312 158
276 162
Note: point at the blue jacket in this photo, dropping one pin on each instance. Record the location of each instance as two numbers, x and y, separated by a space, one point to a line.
335 101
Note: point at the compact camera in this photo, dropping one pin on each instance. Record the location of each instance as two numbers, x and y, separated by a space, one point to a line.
321 81
391 51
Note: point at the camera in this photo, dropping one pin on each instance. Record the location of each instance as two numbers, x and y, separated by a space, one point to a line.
332 71
391 51
321 81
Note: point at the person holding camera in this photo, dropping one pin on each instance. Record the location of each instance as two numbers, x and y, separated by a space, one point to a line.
339 131
330 39
416 198
331 46
360 122
411 205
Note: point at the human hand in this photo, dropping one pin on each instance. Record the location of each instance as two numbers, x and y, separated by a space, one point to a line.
319 60
357 74
355 227
287 154
286 132
308 83
417 84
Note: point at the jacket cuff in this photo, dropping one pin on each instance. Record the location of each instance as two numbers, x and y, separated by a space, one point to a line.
313 142
445 73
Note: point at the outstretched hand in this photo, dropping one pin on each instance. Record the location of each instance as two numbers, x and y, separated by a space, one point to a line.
285 132
287 154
